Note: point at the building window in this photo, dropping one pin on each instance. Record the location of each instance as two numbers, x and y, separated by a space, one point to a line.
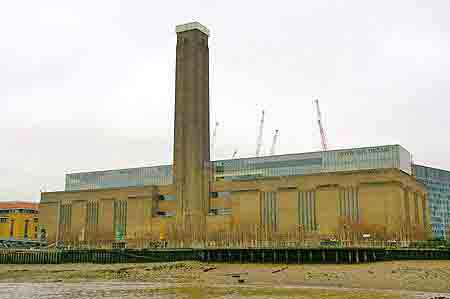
66 215
120 219
11 228
3 220
167 197
92 214
349 207
219 211
25 230
307 210
268 207
166 213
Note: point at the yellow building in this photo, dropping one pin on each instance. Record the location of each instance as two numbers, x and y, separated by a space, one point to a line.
385 203
19 220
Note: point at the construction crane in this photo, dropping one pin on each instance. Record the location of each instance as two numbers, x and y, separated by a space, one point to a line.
322 131
234 154
213 141
274 142
260 135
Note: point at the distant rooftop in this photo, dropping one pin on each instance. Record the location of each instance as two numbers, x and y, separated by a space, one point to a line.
18 205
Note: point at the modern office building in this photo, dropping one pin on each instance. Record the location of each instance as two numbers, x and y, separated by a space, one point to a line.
437 182
19 221
377 157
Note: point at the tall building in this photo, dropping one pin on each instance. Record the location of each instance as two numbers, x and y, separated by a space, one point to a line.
437 182
191 144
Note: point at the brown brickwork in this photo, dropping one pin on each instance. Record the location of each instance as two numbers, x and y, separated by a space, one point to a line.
378 202
191 144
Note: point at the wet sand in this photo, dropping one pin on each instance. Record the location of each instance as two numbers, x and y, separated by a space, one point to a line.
405 279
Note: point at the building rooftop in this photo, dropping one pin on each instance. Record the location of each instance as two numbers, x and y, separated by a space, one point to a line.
192 26
18 205
389 156
251 158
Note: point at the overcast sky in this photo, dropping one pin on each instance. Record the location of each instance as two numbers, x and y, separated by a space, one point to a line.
89 85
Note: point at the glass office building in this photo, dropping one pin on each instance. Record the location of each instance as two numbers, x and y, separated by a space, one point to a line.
142 176
389 156
437 182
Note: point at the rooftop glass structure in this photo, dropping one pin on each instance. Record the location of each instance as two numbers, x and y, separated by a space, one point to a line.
388 156
437 182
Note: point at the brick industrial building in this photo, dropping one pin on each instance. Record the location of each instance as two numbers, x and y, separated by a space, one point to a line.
331 194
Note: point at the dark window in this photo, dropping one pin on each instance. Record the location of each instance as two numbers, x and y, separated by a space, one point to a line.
167 197
165 214
25 230
11 229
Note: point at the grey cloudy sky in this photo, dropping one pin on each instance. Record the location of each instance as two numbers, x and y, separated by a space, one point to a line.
89 85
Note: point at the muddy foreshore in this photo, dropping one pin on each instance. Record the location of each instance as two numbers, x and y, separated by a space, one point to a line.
380 278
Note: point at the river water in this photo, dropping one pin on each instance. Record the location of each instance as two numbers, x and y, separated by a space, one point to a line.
109 290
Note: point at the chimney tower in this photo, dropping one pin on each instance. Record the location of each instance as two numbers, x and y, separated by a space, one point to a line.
192 145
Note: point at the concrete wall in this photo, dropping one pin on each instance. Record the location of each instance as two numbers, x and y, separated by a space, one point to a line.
48 218
288 210
327 209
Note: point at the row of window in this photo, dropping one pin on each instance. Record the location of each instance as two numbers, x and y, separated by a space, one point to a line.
250 168
437 182
5 220
159 175
12 227
427 172
18 211
307 210
220 211
349 204
269 212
